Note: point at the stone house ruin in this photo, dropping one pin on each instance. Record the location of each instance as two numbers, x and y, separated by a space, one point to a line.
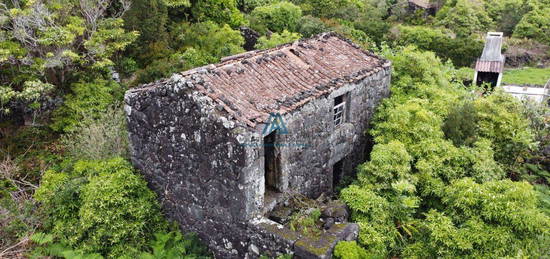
427 6
490 66
223 144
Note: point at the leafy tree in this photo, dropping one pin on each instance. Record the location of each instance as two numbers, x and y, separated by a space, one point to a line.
195 45
43 41
152 28
309 26
372 20
277 39
463 51
347 29
218 11
276 17
248 5
464 17
535 24
497 218
460 125
177 3
325 8
506 13
211 39
509 131
88 99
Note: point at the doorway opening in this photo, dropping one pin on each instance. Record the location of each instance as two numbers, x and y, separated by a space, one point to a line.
337 172
272 163
488 77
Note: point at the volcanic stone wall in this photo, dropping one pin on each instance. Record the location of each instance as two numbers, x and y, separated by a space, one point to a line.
208 169
314 144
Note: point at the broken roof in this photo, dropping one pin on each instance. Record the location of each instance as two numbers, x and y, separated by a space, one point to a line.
254 84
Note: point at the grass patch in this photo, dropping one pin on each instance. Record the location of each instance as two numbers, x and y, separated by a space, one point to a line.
535 76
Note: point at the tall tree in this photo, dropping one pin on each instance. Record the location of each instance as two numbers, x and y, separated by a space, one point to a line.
43 41
464 17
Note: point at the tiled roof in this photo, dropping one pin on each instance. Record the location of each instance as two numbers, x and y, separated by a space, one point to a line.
491 59
490 66
251 85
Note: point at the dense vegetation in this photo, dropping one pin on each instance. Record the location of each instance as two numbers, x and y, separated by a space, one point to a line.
439 178
452 174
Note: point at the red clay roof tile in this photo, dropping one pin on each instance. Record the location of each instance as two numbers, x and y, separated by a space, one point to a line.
253 84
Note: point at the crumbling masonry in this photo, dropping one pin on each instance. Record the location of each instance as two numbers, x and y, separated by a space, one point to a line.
211 143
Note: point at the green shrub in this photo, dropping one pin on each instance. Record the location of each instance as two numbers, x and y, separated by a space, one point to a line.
460 125
127 66
218 11
464 17
276 17
249 5
100 207
535 24
277 39
349 250
309 26
501 121
99 138
90 99
211 39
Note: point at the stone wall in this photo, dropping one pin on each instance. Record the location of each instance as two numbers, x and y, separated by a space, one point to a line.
313 144
208 170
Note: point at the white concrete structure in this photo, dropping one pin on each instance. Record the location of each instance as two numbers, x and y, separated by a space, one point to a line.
539 95
490 65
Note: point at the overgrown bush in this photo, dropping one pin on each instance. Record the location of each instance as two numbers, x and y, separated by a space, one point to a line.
100 207
463 51
535 24
309 26
276 17
276 39
464 17
422 194
88 99
99 138
349 250
218 11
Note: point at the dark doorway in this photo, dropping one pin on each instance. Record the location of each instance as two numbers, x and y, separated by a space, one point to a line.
272 165
487 77
337 171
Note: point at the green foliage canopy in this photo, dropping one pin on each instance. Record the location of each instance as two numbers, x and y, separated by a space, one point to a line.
100 206
535 24
218 11
435 182
276 17
277 39
464 17
41 42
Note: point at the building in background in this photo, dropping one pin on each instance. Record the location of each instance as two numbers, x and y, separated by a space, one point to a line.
490 66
